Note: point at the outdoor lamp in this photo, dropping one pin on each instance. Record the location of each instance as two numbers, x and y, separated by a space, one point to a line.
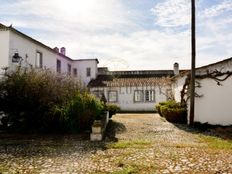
16 58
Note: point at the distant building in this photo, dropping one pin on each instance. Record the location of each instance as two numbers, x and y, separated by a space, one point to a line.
18 48
141 90
133 90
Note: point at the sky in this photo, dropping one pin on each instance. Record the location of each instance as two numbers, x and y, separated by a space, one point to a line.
127 34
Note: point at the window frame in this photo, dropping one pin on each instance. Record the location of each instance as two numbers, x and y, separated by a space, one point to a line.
58 65
114 101
149 95
39 59
69 68
88 72
142 96
98 93
74 72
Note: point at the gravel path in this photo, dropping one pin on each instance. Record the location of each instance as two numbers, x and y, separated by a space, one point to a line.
135 143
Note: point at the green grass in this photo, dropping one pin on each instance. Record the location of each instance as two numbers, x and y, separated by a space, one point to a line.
126 170
217 143
133 168
138 144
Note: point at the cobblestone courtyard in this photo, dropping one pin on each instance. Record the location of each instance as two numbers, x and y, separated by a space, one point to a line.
135 143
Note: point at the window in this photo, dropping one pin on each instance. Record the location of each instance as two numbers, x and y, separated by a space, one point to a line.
58 66
69 69
88 72
112 96
39 60
98 93
74 72
149 95
138 96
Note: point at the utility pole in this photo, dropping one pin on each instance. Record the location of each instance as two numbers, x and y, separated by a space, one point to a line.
193 64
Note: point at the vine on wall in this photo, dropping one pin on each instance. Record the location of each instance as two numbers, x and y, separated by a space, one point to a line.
216 75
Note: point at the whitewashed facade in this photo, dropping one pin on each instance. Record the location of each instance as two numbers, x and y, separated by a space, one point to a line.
213 104
87 69
130 90
128 99
133 90
32 53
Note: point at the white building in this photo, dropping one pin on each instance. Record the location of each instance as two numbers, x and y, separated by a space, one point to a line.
133 90
17 48
141 90
213 92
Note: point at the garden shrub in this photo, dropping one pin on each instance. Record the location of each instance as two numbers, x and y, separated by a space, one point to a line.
79 113
157 107
173 112
33 100
112 108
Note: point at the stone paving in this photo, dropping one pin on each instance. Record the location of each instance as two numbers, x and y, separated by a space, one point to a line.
135 143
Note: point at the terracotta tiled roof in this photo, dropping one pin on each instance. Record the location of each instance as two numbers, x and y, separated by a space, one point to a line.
150 81
141 73
132 80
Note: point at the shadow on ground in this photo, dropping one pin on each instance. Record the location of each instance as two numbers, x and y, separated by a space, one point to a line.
223 132
114 128
48 145
51 144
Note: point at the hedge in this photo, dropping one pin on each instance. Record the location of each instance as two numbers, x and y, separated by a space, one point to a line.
42 101
112 108
172 111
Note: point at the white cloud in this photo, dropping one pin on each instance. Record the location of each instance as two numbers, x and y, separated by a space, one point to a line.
214 32
109 31
213 26
62 15
218 9
139 50
172 13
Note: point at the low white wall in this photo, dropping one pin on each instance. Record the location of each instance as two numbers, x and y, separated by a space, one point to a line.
215 106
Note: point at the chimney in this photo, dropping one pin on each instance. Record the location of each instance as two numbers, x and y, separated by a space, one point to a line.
56 49
63 50
176 68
